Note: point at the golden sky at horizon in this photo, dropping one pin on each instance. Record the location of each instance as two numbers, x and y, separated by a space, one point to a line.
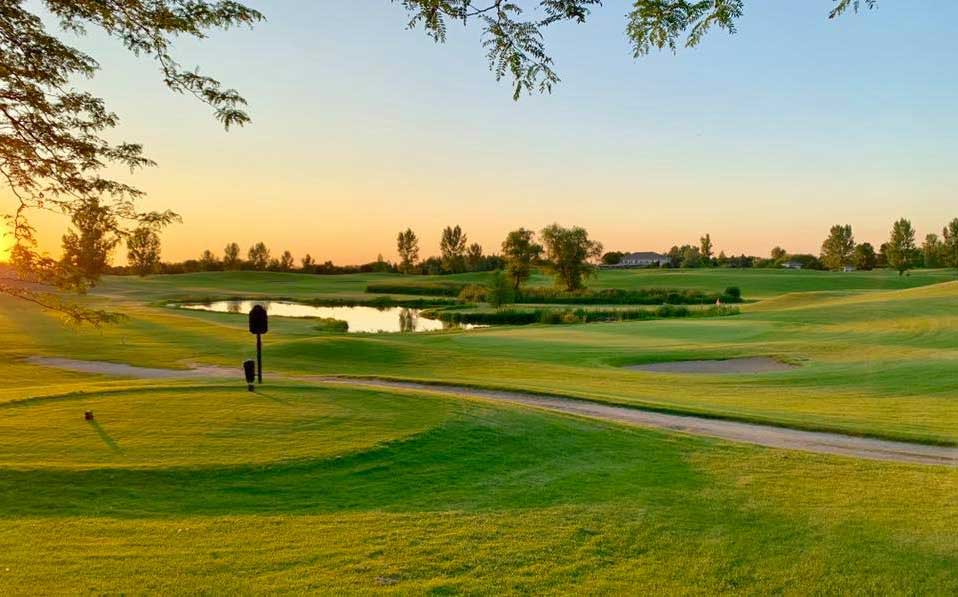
361 128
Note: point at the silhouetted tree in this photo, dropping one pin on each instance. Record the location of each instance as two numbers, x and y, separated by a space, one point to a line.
308 263
778 254
452 247
286 261
474 257
87 246
407 245
143 250
569 252
231 258
258 256
705 248
520 252
208 261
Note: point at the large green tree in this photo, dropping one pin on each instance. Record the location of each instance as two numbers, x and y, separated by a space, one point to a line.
838 249
520 252
865 258
901 248
570 252
950 244
931 251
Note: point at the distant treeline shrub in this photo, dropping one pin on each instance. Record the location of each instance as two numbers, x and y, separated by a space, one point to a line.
616 296
546 295
567 316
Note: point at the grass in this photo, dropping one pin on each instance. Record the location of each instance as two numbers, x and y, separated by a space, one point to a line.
187 487
872 362
459 497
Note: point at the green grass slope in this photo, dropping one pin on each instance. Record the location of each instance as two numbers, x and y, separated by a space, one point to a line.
215 490
870 362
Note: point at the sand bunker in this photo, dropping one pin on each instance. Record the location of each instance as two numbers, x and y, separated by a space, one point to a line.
744 365
121 370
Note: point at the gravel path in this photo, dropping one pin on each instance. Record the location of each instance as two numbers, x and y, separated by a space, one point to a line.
762 435
121 370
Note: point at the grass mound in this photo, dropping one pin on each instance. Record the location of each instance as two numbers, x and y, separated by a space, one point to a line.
206 426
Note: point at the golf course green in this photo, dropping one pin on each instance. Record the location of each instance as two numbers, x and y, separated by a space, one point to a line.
196 485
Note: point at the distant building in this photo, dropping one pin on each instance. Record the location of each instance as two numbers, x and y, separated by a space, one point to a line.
848 268
792 265
643 259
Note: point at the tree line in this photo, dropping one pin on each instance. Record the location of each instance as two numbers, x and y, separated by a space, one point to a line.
900 252
839 251
568 253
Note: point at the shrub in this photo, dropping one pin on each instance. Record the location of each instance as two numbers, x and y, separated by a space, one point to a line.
733 292
615 296
331 326
567 316
472 293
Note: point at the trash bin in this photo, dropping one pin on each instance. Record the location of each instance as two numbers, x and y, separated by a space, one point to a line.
249 370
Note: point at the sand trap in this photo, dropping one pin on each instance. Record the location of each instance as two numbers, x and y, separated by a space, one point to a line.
744 365
121 370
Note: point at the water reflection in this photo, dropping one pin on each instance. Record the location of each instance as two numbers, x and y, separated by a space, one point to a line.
360 319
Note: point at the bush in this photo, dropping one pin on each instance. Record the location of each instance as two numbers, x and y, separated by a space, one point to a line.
610 296
331 326
568 316
472 293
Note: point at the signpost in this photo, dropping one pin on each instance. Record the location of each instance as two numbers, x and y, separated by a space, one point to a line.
258 325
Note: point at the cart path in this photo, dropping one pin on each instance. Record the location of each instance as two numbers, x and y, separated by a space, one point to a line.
750 433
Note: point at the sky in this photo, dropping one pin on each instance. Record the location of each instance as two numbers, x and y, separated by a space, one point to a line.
362 128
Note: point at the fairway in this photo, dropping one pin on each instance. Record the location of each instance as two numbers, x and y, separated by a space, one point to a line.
315 488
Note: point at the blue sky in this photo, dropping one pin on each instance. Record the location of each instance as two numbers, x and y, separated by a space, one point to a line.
360 128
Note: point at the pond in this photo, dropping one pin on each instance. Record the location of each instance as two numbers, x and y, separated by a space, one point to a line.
360 319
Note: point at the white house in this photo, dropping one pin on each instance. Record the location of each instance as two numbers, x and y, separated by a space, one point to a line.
792 265
643 259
